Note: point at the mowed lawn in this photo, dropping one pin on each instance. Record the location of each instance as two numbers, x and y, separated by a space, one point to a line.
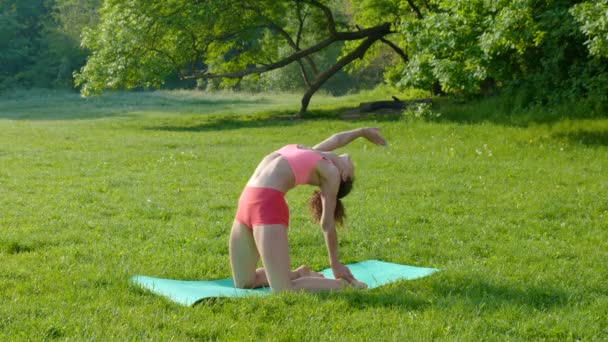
95 191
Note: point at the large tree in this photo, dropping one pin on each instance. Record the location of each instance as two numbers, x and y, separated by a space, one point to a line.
455 46
140 43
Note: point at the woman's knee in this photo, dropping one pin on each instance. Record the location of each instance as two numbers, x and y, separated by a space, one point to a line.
244 283
282 286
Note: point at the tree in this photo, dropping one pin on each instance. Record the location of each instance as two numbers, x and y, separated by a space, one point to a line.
451 46
523 46
457 45
66 21
139 43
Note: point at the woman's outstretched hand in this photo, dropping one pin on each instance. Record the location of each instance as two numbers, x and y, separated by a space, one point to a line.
373 134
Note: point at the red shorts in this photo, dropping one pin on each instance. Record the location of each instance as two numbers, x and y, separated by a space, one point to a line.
259 206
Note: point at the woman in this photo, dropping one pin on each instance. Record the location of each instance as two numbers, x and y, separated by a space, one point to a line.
262 218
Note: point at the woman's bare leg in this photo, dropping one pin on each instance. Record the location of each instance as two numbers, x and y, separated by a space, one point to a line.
244 257
271 241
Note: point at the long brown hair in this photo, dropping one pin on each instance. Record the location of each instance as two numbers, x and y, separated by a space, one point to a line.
315 206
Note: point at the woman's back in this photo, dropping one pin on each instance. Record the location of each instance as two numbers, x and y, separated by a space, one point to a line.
287 167
273 172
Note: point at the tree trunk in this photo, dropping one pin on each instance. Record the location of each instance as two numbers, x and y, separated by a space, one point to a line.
359 52
436 89
304 74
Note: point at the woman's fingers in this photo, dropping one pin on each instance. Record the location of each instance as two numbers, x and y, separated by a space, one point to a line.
375 136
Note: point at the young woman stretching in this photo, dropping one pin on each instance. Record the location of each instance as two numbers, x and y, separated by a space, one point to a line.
262 218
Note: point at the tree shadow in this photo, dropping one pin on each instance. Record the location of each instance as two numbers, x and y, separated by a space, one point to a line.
585 137
67 105
231 122
507 111
273 118
395 296
471 289
474 289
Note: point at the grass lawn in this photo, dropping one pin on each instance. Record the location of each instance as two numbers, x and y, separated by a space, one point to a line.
94 191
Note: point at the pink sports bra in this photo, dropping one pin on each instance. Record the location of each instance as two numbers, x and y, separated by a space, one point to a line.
302 162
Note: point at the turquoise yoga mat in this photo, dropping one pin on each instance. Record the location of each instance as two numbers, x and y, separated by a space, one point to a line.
374 273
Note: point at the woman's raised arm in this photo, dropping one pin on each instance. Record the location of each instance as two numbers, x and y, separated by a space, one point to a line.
338 140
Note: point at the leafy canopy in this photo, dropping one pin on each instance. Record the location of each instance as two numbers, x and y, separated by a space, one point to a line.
593 17
140 43
550 49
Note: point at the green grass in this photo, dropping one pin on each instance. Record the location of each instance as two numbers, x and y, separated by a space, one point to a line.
94 191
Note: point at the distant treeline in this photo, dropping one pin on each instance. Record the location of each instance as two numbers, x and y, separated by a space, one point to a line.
40 41
541 52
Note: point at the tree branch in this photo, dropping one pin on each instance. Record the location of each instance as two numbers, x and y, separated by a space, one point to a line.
416 9
378 31
331 23
293 44
304 73
359 52
301 20
167 55
397 49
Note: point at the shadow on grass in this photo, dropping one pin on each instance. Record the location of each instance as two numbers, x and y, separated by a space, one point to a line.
473 289
586 138
65 105
394 296
443 291
271 118
230 122
507 111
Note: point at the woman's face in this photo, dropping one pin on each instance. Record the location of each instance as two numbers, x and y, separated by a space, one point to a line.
347 169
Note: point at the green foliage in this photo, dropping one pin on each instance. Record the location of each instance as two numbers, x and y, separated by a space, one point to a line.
475 47
543 52
459 44
70 17
420 111
463 43
39 44
121 57
138 44
593 18
20 35
560 69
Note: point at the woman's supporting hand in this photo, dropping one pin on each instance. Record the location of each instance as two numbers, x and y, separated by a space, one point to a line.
342 272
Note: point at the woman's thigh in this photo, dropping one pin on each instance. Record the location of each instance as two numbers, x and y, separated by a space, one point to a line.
271 241
244 255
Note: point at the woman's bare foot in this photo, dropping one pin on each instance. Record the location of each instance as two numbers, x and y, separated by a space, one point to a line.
353 284
304 271
358 284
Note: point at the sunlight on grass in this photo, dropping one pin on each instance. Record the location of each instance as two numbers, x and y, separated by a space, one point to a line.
94 191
